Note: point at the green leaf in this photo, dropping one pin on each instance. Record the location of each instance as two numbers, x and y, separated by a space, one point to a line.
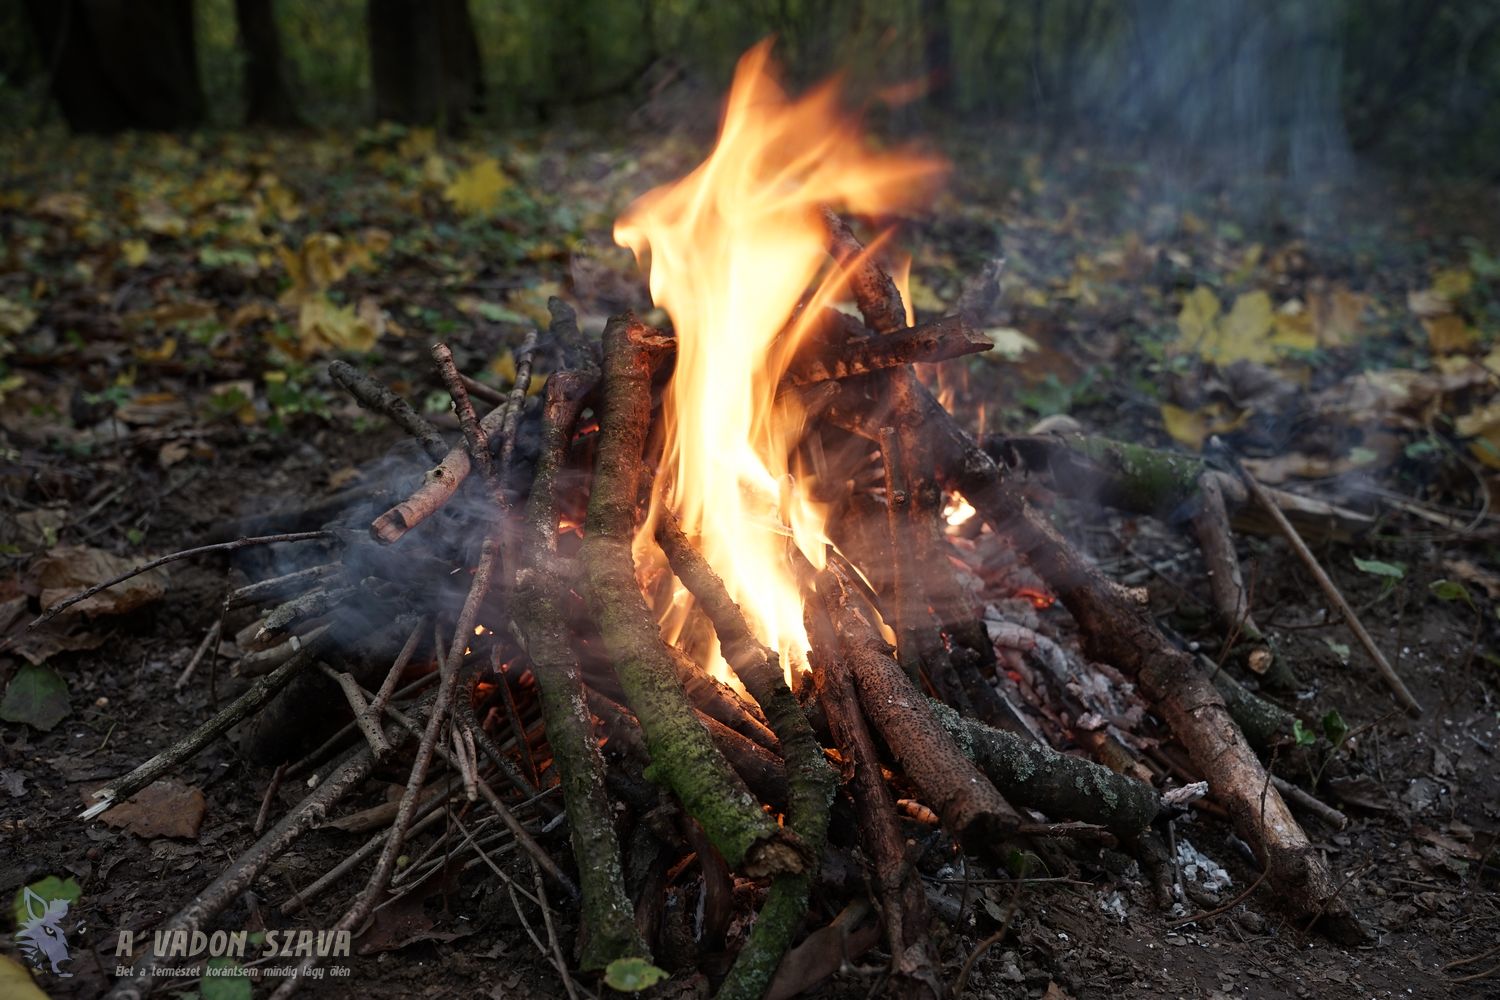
221 984
1305 737
36 696
49 888
631 975
1340 649
1334 727
1450 590
1391 571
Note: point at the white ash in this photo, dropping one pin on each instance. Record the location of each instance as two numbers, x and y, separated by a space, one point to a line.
1198 867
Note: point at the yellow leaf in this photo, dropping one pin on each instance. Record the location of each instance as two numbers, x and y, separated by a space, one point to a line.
1453 283
477 189
313 269
134 252
504 367
1192 427
322 325
418 142
15 318
532 302
1483 425
161 352
1010 344
435 172
1449 334
1198 317
16 983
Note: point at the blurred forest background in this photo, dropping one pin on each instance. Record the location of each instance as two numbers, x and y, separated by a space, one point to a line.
1288 85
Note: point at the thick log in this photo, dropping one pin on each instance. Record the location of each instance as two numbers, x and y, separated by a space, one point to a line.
1038 777
682 756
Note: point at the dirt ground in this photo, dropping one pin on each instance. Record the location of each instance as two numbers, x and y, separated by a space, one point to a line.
1420 851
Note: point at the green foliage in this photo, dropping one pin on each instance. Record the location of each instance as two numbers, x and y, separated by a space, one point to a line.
37 696
631 975
225 979
48 889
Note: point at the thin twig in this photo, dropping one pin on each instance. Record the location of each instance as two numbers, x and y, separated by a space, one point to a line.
265 803
209 638
1326 584
238 543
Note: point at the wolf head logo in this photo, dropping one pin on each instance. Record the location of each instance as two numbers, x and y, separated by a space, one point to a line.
41 935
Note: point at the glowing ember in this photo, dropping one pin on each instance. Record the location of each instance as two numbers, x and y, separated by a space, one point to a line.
958 512
1039 599
732 250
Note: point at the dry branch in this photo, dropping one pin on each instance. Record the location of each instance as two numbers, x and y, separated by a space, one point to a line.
825 358
971 809
682 756
372 394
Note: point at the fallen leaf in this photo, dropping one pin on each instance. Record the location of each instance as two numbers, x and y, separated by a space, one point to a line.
631 975
13 783
227 981
313 269
1338 315
16 983
134 252
1449 334
477 188
37 696
165 808
66 206
15 319
1193 427
68 569
1468 572
1483 426
157 217
50 889
1010 344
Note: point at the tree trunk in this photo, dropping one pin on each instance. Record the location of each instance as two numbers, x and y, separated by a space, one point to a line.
118 65
268 95
424 58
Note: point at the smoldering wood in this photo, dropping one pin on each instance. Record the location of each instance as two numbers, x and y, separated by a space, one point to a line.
377 397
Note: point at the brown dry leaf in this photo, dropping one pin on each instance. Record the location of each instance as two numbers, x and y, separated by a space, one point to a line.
820 955
156 216
68 569
1398 397
152 409
67 206
1295 465
252 312
1055 992
1483 425
169 314
1337 315
14 318
1449 334
165 808
1468 572
172 452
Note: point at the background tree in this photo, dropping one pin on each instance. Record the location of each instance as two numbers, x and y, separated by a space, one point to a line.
268 96
117 65
424 60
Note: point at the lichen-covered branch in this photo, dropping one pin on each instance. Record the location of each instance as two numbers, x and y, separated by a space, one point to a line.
810 782
608 928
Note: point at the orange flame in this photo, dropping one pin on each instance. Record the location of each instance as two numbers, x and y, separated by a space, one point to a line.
731 251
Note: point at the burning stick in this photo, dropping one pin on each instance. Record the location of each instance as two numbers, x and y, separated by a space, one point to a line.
608 930
1118 631
809 781
942 340
681 753
970 807
902 897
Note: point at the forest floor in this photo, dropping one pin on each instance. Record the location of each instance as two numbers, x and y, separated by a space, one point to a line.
168 306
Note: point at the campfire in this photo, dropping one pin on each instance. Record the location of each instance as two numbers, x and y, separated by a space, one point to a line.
739 602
